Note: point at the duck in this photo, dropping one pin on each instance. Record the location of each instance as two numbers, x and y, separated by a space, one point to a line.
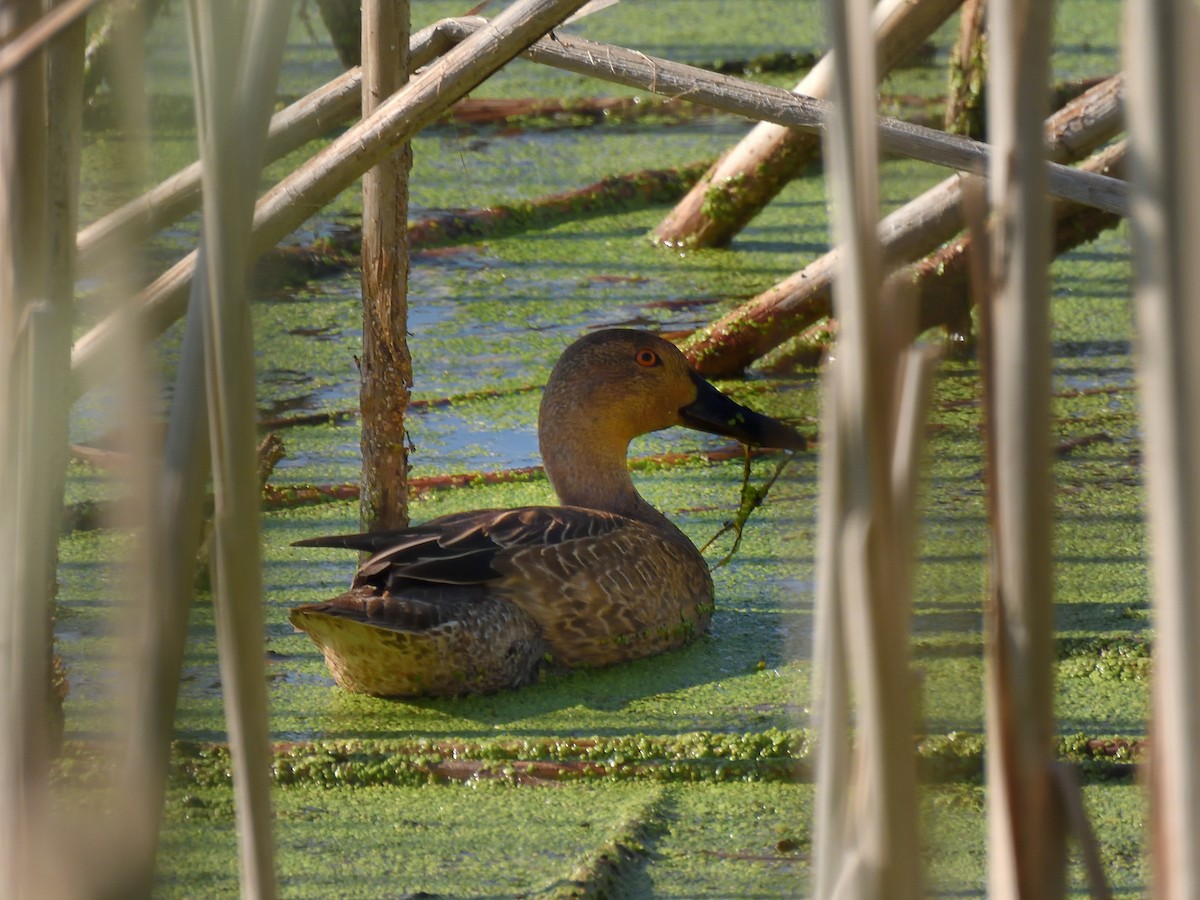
478 602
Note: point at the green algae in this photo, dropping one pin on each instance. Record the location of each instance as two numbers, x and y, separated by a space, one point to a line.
754 611
772 755
1106 659
731 841
675 769
752 677
483 839
490 839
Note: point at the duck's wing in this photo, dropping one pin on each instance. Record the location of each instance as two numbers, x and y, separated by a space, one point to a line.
465 548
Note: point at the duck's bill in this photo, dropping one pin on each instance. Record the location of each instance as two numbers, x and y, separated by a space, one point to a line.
715 413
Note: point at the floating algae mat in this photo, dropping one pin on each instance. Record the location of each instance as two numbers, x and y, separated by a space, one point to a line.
688 774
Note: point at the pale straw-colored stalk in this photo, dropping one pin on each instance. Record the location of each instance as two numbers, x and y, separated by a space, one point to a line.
313 115
865 834
1161 37
29 381
1025 831
236 70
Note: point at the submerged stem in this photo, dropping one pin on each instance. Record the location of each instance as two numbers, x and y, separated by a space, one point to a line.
752 498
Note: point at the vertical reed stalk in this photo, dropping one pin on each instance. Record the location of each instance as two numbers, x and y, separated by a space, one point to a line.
1164 128
831 680
866 831
168 485
1025 828
386 366
27 380
235 75
64 143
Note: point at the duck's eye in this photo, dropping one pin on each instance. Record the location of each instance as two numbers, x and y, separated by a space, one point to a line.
647 358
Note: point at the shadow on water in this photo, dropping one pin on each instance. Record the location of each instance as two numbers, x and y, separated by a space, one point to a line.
700 687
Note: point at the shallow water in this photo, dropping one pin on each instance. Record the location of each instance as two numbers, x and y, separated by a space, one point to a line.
492 317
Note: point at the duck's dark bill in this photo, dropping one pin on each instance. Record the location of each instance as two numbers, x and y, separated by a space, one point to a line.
715 413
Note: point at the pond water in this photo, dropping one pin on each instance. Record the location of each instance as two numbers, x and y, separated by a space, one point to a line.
487 321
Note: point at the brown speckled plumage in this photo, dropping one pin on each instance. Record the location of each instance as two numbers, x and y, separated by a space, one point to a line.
473 602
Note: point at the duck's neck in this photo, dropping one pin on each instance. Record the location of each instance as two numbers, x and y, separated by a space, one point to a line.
587 466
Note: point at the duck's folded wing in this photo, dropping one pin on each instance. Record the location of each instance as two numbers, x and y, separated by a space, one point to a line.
464 548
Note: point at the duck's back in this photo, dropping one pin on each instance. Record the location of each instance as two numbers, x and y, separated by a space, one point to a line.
630 591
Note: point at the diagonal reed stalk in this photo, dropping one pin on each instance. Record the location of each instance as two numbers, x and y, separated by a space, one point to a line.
308 118
39 34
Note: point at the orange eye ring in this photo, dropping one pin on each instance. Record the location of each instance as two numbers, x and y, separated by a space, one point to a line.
646 358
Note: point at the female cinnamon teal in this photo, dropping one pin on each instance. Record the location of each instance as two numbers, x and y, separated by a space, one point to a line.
474 602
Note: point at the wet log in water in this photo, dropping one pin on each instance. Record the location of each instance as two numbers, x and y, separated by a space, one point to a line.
285 266
432 92
941 279
641 187
751 174
940 283
740 337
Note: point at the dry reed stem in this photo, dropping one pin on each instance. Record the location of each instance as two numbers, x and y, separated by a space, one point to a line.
1161 37
1066 779
1025 834
770 104
28 377
307 119
235 87
38 35
866 829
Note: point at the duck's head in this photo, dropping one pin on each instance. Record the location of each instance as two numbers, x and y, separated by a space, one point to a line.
614 385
